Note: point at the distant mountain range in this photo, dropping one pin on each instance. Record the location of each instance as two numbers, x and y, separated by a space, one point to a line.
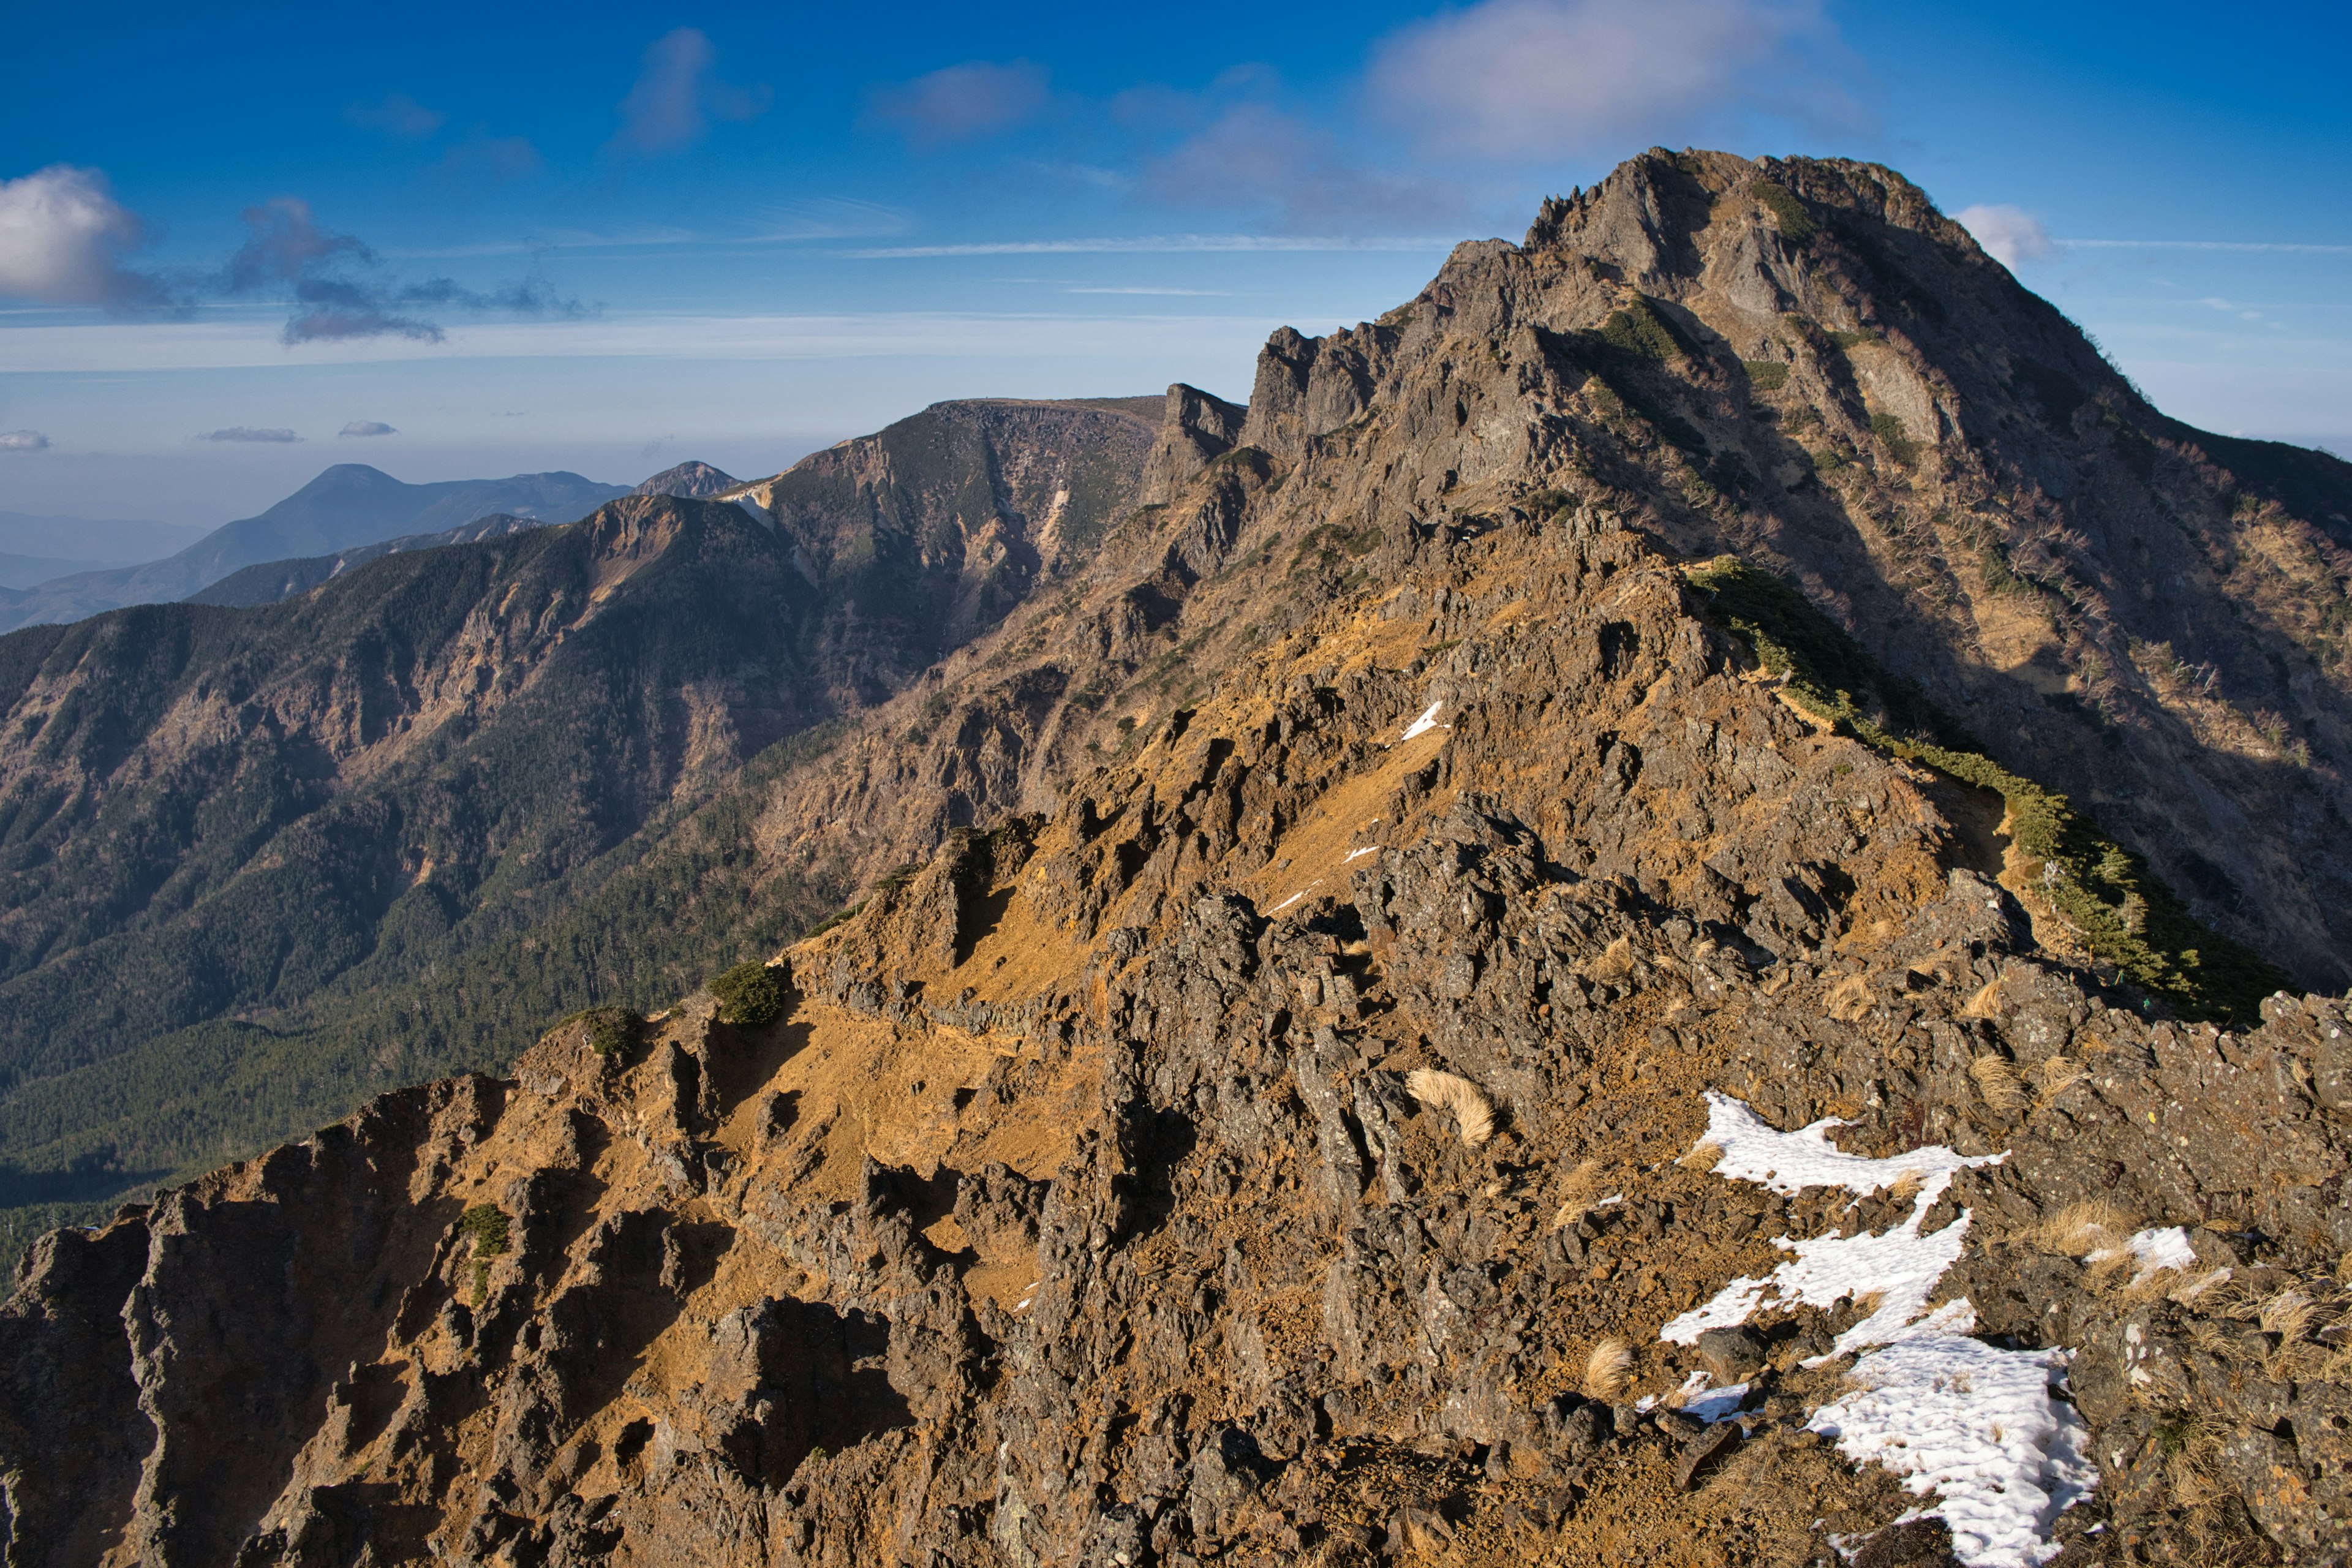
29 545
271 581
349 505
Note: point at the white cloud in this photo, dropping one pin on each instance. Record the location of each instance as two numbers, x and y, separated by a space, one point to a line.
1544 79
248 433
2009 235
978 97
23 441
367 428
676 95
62 235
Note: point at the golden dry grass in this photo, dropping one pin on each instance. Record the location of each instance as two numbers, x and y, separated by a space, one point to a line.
2053 1077
1608 1368
1705 1157
1906 1187
1996 1082
1614 961
1577 1193
2079 1229
1473 1117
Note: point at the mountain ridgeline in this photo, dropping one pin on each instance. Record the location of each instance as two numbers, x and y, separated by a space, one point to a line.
227 829
346 506
1704 852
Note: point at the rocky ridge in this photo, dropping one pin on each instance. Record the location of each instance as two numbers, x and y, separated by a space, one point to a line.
1286 1116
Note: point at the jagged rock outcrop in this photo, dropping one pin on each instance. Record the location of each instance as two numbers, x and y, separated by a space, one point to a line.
1106 1193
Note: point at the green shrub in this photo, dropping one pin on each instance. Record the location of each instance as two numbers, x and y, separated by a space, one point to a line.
1850 338
839 917
1766 374
484 1225
2126 914
611 1030
1789 215
1889 431
747 995
1639 331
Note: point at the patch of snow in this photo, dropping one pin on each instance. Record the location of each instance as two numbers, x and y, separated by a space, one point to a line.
1295 896
1367 849
1901 1265
1978 1426
1788 1163
1426 722
2155 1250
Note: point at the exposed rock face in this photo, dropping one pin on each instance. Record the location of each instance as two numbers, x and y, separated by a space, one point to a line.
1083 1208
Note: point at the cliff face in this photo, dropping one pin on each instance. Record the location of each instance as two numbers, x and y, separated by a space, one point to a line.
1407 1011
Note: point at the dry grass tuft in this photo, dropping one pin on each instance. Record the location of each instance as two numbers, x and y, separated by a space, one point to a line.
1906 1187
1608 1370
2189 1291
2288 1315
1614 961
1986 1004
1996 1082
2079 1229
1705 1157
1848 1000
1578 1195
1443 1091
2053 1077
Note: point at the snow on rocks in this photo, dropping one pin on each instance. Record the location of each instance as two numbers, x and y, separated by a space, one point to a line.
1901 1266
1426 722
1787 1163
2154 1251
1977 1425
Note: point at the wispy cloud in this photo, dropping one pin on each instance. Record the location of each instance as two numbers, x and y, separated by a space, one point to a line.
62 240
248 433
1256 158
340 289
963 102
2255 245
1537 78
2009 235
677 95
23 441
396 114
1159 244
1181 293
367 428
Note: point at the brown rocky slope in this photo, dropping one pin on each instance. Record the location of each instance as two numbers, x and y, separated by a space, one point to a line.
1253 1143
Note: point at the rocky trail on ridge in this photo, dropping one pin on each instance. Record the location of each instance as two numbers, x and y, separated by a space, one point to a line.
1406 1009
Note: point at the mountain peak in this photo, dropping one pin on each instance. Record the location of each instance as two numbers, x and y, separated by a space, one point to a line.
695 480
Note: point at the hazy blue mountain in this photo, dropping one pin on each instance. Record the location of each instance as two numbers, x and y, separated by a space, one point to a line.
350 504
271 581
85 543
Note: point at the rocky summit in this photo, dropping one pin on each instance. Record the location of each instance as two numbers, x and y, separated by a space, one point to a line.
1674 907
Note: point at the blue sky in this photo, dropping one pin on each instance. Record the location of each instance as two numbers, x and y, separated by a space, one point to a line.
612 241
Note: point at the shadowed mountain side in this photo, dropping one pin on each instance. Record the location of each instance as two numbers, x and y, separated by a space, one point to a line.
271 581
